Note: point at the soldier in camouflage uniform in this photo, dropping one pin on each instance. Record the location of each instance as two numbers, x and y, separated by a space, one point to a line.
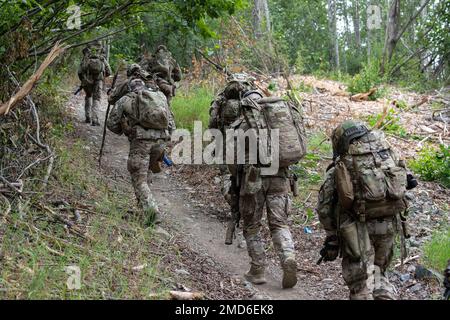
272 192
166 70
146 145
92 82
223 112
364 274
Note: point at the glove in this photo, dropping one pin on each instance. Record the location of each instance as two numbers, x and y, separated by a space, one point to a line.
411 182
330 250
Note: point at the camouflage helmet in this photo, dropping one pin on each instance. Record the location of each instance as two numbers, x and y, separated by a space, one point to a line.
136 85
238 84
161 47
345 133
253 94
240 77
133 68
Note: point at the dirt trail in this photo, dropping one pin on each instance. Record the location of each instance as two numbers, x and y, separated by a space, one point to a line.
202 233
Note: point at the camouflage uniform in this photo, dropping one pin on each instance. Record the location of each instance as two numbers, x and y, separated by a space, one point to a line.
91 87
230 188
272 192
146 146
365 280
165 82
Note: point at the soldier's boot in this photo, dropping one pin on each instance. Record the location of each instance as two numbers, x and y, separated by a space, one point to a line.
289 266
384 290
282 241
94 112
255 275
87 109
363 294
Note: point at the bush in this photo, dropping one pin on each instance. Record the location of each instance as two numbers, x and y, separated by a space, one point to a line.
192 105
437 250
368 78
433 165
391 123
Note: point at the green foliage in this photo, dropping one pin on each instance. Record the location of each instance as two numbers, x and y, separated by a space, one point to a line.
192 105
307 168
433 164
36 249
368 78
391 123
437 250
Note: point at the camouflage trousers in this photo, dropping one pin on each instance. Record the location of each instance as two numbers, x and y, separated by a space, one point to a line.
139 168
274 196
369 281
92 100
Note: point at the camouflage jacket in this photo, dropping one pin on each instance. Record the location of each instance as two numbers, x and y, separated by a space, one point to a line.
327 203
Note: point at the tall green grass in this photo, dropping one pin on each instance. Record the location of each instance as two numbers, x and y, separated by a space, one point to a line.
119 263
437 250
192 104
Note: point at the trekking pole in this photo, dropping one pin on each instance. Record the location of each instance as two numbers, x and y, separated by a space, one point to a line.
106 115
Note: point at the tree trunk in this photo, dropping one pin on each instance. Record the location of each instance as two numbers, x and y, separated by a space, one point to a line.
261 18
356 24
393 31
333 34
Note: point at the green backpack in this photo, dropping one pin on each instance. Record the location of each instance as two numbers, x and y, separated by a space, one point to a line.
369 179
95 68
147 108
228 112
162 64
275 113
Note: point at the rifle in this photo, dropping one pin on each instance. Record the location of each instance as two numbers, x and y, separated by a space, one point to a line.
228 73
78 90
107 113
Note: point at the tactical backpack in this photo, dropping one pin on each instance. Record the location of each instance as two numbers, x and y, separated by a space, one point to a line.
275 113
149 109
369 180
162 64
228 111
235 88
95 68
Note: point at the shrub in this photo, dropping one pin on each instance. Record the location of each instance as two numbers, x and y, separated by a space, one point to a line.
433 165
391 123
437 250
368 78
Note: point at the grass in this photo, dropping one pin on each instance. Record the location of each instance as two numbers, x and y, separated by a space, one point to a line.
191 105
433 164
36 249
391 123
309 172
437 250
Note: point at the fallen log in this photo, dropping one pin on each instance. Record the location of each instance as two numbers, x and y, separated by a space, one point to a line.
363 96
